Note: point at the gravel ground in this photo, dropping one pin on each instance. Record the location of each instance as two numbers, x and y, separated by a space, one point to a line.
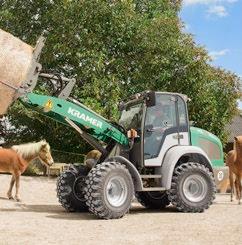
39 219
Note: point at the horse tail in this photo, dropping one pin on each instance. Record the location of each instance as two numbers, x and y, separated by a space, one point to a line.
230 158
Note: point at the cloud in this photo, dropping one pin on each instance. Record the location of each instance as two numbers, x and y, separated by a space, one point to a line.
215 7
218 10
216 54
207 2
232 1
240 76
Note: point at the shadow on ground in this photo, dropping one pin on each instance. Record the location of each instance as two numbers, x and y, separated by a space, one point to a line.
141 210
57 212
19 207
4 198
136 210
52 211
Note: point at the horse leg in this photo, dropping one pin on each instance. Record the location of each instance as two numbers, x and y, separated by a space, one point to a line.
9 193
17 178
239 188
231 181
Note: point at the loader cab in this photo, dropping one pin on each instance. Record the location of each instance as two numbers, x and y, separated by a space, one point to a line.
161 121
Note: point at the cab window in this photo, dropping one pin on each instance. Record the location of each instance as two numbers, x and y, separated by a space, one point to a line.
182 112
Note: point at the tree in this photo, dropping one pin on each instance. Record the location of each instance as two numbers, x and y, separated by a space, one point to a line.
117 48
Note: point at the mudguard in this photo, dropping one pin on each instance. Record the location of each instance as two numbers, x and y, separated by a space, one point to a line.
138 186
174 154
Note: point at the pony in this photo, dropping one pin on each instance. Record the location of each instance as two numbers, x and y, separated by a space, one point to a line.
92 158
16 159
234 162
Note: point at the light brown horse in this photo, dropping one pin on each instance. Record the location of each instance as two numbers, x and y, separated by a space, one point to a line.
16 159
92 157
234 162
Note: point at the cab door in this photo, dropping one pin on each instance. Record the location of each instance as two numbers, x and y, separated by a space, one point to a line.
164 128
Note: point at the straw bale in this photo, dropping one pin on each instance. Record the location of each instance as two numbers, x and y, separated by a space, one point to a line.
15 61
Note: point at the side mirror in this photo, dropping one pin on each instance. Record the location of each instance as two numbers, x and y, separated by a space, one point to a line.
150 99
121 106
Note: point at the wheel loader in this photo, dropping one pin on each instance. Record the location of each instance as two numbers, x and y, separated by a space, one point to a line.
152 153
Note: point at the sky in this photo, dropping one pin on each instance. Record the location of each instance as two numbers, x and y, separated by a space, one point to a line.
217 25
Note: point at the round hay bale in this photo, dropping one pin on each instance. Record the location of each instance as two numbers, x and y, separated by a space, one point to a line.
15 62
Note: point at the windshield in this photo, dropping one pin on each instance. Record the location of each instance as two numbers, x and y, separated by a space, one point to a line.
132 117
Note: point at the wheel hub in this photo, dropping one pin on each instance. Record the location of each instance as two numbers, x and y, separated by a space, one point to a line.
195 188
79 187
116 191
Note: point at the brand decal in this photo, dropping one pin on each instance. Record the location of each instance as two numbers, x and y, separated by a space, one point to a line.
220 175
84 117
48 106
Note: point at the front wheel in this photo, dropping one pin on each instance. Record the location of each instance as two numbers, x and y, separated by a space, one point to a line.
109 190
70 186
193 188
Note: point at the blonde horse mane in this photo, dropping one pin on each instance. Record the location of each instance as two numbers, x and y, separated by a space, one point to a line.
30 149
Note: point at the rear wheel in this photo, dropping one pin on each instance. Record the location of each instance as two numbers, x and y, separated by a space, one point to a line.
109 190
192 188
70 186
153 199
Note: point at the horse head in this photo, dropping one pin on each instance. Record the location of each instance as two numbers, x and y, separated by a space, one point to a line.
45 153
238 143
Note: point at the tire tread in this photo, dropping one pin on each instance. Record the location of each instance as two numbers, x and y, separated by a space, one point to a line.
173 193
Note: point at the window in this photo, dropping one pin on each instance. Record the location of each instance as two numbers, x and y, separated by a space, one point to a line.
132 117
163 114
159 118
182 112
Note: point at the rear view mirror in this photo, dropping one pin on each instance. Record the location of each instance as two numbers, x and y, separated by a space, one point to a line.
121 106
150 99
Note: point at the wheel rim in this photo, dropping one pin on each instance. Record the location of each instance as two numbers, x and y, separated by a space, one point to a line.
78 189
195 188
116 191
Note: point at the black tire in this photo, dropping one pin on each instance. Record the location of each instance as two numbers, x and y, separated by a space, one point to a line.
104 181
153 199
187 178
70 186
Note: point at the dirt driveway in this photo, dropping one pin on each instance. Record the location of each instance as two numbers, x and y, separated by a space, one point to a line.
39 219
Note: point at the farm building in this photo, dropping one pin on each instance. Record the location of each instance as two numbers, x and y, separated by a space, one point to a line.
235 129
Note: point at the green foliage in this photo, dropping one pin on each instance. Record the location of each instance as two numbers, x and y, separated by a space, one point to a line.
117 48
32 170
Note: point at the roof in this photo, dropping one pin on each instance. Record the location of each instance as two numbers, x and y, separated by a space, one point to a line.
235 128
